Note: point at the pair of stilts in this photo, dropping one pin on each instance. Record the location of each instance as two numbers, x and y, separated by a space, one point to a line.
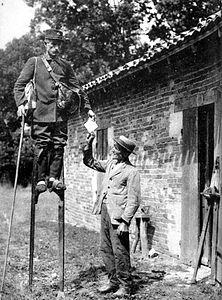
34 201
213 200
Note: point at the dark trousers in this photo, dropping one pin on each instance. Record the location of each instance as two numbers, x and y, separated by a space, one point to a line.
115 251
50 140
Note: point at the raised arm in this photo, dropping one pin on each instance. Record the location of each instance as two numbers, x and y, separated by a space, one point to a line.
89 160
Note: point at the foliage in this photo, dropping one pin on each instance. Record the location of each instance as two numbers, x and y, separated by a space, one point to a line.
9 146
101 35
174 16
12 60
105 34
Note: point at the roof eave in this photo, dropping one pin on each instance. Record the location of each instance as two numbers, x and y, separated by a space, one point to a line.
156 58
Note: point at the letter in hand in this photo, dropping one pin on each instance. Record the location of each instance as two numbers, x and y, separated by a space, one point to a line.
90 125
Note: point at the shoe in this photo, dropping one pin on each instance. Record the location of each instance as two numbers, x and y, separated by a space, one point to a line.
107 288
41 187
122 291
56 186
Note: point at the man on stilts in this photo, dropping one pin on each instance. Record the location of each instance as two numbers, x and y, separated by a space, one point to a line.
56 88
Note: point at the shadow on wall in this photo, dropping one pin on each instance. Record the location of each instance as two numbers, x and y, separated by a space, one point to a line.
159 159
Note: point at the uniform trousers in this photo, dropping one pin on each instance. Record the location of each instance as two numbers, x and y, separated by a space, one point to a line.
50 140
115 251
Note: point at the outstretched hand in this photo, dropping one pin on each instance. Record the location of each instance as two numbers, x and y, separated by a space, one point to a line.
90 137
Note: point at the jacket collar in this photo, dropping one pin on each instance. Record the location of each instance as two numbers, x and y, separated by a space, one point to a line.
117 168
49 59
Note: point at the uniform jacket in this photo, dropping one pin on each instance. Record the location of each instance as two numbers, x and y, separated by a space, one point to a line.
46 108
120 187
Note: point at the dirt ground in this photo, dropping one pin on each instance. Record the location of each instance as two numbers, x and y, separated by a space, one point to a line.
161 278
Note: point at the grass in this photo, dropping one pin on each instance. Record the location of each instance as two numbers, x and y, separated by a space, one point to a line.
153 279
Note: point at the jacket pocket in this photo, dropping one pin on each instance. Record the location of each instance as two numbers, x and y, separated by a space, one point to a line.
116 206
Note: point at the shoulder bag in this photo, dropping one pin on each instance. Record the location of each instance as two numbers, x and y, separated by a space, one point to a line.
68 98
31 95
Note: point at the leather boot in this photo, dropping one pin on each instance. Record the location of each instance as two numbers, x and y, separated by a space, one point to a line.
107 288
122 291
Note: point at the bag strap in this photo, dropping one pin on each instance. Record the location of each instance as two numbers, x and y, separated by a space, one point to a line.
34 75
34 83
49 69
57 82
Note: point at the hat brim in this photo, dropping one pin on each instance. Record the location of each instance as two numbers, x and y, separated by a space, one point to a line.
123 146
56 39
43 38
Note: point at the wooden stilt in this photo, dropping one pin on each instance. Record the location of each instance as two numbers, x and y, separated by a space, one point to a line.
34 200
212 210
201 242
13 206
61 229
61 246
214 241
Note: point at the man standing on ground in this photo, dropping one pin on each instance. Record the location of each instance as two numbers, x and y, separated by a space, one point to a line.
49 130
117 202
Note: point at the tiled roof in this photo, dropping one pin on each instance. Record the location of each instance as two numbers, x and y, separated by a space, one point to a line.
160 51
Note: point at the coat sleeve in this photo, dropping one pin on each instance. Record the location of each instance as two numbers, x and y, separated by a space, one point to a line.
133 196
73 82
25 76
91 162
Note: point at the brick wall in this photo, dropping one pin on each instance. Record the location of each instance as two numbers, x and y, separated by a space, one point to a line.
147 107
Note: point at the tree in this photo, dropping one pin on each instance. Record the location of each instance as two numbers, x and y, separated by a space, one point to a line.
101 34
12 60
174 16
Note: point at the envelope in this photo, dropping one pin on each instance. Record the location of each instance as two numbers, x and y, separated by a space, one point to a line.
90 125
